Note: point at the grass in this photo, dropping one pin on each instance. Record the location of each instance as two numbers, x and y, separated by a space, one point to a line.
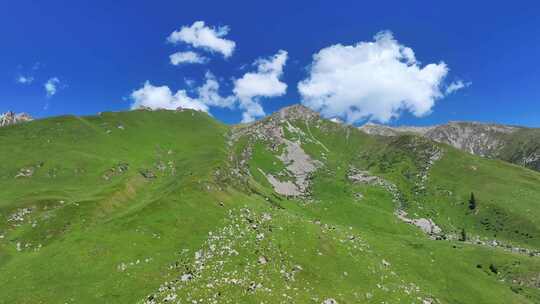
118 238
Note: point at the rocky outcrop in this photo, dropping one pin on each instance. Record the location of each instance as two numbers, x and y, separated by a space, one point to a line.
11 118
425 224
299 166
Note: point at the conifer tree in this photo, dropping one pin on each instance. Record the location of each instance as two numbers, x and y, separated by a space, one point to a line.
472 202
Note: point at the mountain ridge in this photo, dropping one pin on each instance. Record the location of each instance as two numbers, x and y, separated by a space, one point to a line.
516 144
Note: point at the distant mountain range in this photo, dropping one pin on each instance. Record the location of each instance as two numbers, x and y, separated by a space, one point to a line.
515 144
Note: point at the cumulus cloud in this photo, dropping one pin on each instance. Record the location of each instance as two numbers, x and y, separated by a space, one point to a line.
51 86
247 93
208 38
373 80
209 93
161 97
179 58
265 82
456 86
25 79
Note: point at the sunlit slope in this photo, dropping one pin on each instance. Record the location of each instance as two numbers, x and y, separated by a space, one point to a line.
91 209
431 185
174 207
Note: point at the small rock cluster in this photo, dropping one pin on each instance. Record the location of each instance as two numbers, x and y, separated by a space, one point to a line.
116 170
499 244
243 241
19 216
123 266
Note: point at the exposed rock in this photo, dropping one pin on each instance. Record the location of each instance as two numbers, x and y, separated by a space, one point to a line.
426 225
118 169
25 172
263 260
148 174
358 176
11 118
475 138
19 216
299 165
282 187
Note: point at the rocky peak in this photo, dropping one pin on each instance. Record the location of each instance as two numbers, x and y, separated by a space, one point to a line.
296 111
473 137
11 118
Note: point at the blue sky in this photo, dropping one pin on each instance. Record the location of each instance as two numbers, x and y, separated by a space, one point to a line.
96 54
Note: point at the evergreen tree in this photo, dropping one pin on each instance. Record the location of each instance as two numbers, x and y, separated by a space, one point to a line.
472 202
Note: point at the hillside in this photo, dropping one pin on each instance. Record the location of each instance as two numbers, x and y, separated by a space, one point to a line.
176 207
518 145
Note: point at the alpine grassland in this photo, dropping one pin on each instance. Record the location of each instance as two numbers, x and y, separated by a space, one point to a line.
177 207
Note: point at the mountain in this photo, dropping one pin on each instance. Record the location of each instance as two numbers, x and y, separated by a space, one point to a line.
515 144
11 118
176 207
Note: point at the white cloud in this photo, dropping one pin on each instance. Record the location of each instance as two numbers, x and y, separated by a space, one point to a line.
371 80
161 97
201 36
187 57
263 83
51 86
247 92
209 93
25 79
456 86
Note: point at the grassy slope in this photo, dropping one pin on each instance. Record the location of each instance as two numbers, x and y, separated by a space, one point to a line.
101 223
451 269
104 223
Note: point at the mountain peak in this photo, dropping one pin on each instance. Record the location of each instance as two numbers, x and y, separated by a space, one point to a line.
11 118
296 111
